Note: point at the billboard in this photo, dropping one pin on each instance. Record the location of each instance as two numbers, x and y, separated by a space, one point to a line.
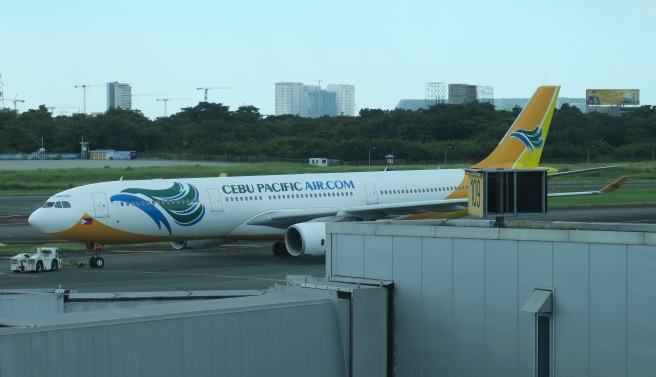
612 96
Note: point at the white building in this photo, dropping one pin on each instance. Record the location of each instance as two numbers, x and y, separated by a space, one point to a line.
289 98
119 95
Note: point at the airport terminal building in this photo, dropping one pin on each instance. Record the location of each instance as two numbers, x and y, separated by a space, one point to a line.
424 298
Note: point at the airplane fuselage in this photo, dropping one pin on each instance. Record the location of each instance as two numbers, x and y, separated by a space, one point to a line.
122 212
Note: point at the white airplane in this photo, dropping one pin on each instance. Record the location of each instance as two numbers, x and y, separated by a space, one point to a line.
201 212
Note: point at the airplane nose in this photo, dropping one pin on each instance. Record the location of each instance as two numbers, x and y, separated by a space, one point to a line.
36 219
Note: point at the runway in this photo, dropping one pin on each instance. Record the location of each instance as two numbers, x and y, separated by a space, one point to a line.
243 265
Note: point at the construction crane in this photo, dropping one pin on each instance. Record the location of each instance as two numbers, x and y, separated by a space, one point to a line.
145 95
166 100
214 87
84 93
149 95
15 100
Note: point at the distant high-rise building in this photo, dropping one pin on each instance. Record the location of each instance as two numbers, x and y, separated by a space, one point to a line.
311 101
318 102
119 95
344 98
289 98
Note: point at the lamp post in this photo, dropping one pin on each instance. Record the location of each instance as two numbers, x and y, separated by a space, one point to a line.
370 149
592 146
445 149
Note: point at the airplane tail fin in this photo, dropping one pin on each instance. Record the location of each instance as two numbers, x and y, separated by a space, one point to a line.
522 145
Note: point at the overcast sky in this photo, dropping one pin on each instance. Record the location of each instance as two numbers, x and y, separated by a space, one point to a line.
388 49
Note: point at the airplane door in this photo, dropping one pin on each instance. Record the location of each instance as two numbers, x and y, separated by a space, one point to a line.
372 195
216 205
100 204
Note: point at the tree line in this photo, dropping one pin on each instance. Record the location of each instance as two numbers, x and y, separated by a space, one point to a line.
468 131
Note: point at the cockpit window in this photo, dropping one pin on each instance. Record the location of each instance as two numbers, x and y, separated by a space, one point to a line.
59 204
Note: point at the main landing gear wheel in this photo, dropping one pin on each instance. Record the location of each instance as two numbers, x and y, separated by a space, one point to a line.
279 249
96 262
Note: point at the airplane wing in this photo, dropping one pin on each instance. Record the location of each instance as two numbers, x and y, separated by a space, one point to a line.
409 208
285 218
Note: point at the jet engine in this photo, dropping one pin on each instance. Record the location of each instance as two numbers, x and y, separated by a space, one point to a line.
198 244
306 238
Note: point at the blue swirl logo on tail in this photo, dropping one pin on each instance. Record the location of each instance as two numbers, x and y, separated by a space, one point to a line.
532 139
179 203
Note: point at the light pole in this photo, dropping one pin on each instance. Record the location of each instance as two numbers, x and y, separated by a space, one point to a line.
445 149
592 146
370 149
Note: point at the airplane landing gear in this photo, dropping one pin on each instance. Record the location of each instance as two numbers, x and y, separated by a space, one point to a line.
95 261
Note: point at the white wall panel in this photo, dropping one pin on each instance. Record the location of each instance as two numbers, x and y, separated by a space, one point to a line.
641 306
407 298
349 260
378 259
501 308
468 306
571 307
607 310
437 301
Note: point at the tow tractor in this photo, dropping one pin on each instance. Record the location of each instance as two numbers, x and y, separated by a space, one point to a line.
45 259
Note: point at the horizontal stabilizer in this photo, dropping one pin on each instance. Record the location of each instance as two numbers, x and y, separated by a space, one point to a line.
610 188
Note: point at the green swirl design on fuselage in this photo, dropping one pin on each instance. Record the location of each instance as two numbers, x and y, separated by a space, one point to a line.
182 205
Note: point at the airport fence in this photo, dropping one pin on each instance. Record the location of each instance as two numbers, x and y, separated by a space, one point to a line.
261 159
374 162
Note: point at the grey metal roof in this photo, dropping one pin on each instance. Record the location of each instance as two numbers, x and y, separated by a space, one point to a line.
272 299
